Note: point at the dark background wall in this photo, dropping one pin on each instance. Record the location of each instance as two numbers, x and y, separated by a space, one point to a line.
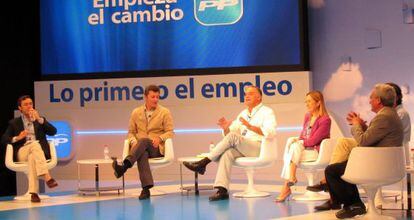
19 68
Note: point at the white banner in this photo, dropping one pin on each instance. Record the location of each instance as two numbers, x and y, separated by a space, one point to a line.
284 87
92 115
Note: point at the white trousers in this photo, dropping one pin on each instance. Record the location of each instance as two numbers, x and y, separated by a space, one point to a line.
296 153
34 156
227 151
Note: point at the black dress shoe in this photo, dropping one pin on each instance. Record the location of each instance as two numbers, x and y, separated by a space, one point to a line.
328 205
219 195
195 166
145 194
51 183
318 187
34 197
118 169
351 211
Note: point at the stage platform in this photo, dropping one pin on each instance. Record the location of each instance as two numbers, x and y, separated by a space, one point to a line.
172 205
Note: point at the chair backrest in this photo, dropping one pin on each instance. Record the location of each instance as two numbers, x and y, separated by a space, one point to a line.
168 154
169 150
268 150
9 157
325 151
53 156
375 166
125 150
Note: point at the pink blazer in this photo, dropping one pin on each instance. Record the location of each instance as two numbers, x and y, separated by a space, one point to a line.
319 131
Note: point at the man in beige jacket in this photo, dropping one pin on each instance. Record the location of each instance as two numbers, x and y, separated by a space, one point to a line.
149 126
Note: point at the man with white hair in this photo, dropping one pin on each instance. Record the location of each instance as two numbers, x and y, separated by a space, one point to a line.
384 130
243 138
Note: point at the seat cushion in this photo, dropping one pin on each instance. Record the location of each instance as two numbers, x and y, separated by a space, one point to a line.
309 155
246 162
158 160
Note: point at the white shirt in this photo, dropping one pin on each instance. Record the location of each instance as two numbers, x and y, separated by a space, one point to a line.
29 127
148 114
406 122
261 116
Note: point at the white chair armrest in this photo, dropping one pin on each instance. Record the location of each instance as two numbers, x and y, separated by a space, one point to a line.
375 165
9 157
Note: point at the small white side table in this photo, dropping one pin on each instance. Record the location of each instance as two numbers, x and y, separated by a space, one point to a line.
97 189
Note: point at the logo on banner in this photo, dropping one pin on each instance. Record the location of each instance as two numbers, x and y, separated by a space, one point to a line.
218 12
62 139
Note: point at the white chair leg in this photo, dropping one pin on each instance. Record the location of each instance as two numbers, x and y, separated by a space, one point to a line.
372 212
24 197
309 195
379 199
27 196
155 191
250 191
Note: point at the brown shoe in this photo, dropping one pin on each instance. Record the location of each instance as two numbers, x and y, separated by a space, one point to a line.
318 187
221 194
145 194
51 183
328 205
34 197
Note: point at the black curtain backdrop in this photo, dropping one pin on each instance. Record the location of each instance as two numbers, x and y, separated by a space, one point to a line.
19 68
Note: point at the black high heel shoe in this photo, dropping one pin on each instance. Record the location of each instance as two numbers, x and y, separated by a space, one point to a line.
292 183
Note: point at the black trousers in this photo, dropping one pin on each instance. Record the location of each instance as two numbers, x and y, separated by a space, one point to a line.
341 191
140 153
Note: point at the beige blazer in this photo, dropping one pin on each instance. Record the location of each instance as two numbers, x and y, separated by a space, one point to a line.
159 125
384 130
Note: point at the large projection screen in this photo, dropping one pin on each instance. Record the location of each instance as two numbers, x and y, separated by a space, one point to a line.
107 37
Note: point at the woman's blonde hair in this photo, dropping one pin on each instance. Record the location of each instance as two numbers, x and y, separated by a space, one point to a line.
318 97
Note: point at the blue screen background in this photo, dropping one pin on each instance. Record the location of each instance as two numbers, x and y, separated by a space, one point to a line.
268 34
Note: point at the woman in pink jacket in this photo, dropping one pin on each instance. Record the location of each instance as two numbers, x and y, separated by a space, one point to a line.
316 127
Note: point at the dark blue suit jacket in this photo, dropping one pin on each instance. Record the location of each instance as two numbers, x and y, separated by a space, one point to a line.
41 130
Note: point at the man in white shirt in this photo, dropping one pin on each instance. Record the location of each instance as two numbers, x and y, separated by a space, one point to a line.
405 120
243 138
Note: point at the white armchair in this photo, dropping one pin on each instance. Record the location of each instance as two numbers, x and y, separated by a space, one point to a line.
23 167
268 155
156 162
373 167
311 168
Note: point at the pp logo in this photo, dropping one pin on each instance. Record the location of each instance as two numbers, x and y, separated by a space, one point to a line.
59 139
218 12
62 140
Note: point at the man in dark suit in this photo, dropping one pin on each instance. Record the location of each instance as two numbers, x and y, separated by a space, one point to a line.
385 130
27 134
